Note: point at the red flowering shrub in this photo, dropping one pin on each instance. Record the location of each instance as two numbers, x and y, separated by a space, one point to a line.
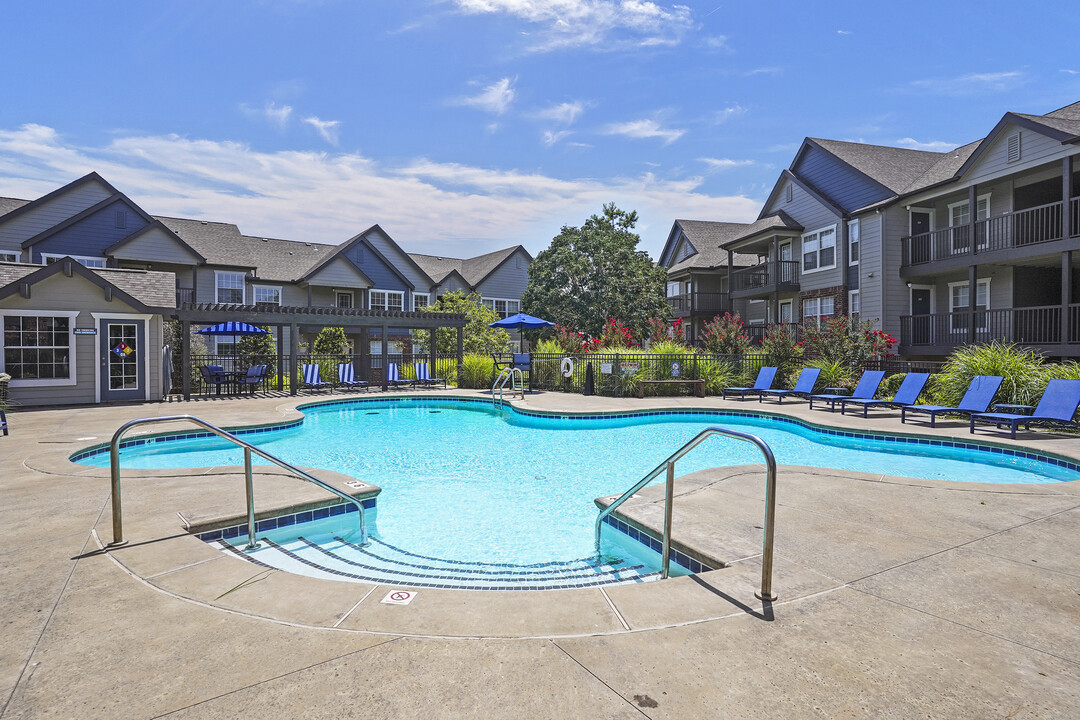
847 341
660 330
725 336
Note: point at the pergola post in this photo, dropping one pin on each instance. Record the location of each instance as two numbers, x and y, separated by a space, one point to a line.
434 351
460 353
294 350
385 356
280 357
365 355
185 356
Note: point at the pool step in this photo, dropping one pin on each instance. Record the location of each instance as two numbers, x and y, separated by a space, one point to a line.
383 563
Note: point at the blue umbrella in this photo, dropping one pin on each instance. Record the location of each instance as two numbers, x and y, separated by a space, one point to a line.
232 328
520 322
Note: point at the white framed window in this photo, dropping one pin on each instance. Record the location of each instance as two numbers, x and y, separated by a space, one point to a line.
503 306
814 309
266 295
959 297
853 242
84 260
228 287
386 300
39 347
819 249
9 257
854 303
420 301
225 346
785 312
959 219
344 299
673 288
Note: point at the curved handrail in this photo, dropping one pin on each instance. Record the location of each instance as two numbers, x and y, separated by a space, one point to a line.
114 463
669 465
511 374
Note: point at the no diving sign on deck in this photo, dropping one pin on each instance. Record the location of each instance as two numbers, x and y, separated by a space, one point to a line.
399 597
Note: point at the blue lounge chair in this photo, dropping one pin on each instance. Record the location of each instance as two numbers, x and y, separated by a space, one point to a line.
908 394
977 399
3 422
804 386
346 376
214 375
764 381
312 379
424 377
1057 407
868 385
393 377
254 376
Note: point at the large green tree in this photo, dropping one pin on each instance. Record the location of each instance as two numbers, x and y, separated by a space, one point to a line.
477 338
596 272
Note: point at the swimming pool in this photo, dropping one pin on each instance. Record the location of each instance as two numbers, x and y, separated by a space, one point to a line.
464 481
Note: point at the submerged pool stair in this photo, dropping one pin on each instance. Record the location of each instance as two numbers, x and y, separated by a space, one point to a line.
379 562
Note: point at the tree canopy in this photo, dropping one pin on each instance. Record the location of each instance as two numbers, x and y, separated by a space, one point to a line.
477 337
595 272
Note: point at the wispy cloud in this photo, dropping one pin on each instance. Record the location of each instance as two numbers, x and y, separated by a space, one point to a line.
769 70
932 145
602 24
565 113
552 138
718 43
644 129
970 84
433 207
1070 72
717 164
495 98
277 115
843 32
731 111
784 147
327 129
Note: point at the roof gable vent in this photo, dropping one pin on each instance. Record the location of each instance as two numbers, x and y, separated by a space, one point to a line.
787 193
1014 147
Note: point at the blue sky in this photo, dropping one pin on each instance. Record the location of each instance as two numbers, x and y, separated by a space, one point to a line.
463 126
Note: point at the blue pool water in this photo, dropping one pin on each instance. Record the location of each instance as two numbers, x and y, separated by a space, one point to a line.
462 480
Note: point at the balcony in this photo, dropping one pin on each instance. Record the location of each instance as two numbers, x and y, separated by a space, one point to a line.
1018 230
699 303
768 277
757 333
184 296
1040 327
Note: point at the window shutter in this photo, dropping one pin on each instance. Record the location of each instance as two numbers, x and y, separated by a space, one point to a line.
1014 147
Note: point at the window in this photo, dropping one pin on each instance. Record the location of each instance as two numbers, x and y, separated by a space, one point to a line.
9 257
819 249
86 261
226 347
266 296
38 348
813 309
345 300
853 303
229 287
959 219
505 308
420 301
673 289
959 297
386 300
853 242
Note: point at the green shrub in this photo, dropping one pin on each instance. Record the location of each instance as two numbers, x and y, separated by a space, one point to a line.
890 385
1024 372
477 371
781 349
833 374
718 374
725 336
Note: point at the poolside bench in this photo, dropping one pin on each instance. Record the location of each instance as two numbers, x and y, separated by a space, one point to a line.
699 386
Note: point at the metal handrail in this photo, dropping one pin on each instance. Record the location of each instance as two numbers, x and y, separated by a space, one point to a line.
511 374
114 461
669 465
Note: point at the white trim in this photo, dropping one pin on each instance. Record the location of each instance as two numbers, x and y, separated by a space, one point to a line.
850 295
933 299
337 298
972 301
72 378
978 199
791 311
493 300
372 291
802 250
218 289
858 232
424 295
255 300
925 210
97 347
81 259
15 255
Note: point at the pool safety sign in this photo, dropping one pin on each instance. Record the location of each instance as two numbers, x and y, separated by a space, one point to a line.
399 597
122 350
676 369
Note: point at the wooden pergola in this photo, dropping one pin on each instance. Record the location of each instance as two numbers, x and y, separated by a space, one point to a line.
349 319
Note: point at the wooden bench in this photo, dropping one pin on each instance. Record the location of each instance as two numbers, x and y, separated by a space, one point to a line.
699 386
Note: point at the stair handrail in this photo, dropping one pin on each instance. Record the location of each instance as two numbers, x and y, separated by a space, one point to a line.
510 374
669 493
114 463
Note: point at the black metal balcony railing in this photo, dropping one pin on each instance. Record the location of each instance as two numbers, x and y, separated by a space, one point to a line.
1014 230
715 303
757 333
1027 326
184 295
766 275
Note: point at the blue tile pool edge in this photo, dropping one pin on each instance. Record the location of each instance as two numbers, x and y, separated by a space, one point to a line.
903 438
284 520
648 539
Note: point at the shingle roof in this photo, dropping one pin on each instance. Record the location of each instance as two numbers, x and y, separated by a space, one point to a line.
707 237
474 269
779 220
895 168
152 288
9 204
1065 124
944 169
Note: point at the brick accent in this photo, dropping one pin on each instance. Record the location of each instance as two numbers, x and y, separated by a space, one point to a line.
837 293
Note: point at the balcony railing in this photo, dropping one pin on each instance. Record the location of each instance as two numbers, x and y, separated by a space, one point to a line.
700 302
1014 230
184 295
757 333
1027 326
766 276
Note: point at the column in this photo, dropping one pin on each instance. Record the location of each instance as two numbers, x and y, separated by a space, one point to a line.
364 371
776 279
1066 294
280 357
294 350
434 352
385 355
460 353
185 356
973 286
973 206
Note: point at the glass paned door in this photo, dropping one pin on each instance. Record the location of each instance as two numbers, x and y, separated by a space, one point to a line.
123 364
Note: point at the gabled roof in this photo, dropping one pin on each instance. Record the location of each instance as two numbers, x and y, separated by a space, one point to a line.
330 260
154 225
707 238
1062 125
144 290
361 239
9 204
89 177
778 221
893 168
810 189
944 169
472 271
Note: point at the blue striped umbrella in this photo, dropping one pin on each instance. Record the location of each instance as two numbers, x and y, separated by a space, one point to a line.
232 328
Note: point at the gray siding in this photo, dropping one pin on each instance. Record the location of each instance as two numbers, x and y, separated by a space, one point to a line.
508 281
339 273
870 260
895 299
382 277
452 284
401 261
155 246
50 214
838 181
812 215
206 288
684 250
1035 149
91 235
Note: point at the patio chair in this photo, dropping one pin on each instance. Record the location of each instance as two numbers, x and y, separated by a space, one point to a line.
908 394
868 385
393 377
804 386
3 422
977 399
254 376
764 381
214 375
1056 407
424 377
346 376
313 380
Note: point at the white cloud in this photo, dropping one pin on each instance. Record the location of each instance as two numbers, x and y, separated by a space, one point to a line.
1070 72
552 138
644 129
784 147
603 24
495 98
970 84
932 145
727 113
565 113
328 129
278 116
441 208
843 32
718 43
769 70
716 164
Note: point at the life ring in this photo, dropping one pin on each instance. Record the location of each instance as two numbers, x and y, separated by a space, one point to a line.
567 367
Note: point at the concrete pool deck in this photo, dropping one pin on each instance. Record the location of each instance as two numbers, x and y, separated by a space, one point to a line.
897 598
